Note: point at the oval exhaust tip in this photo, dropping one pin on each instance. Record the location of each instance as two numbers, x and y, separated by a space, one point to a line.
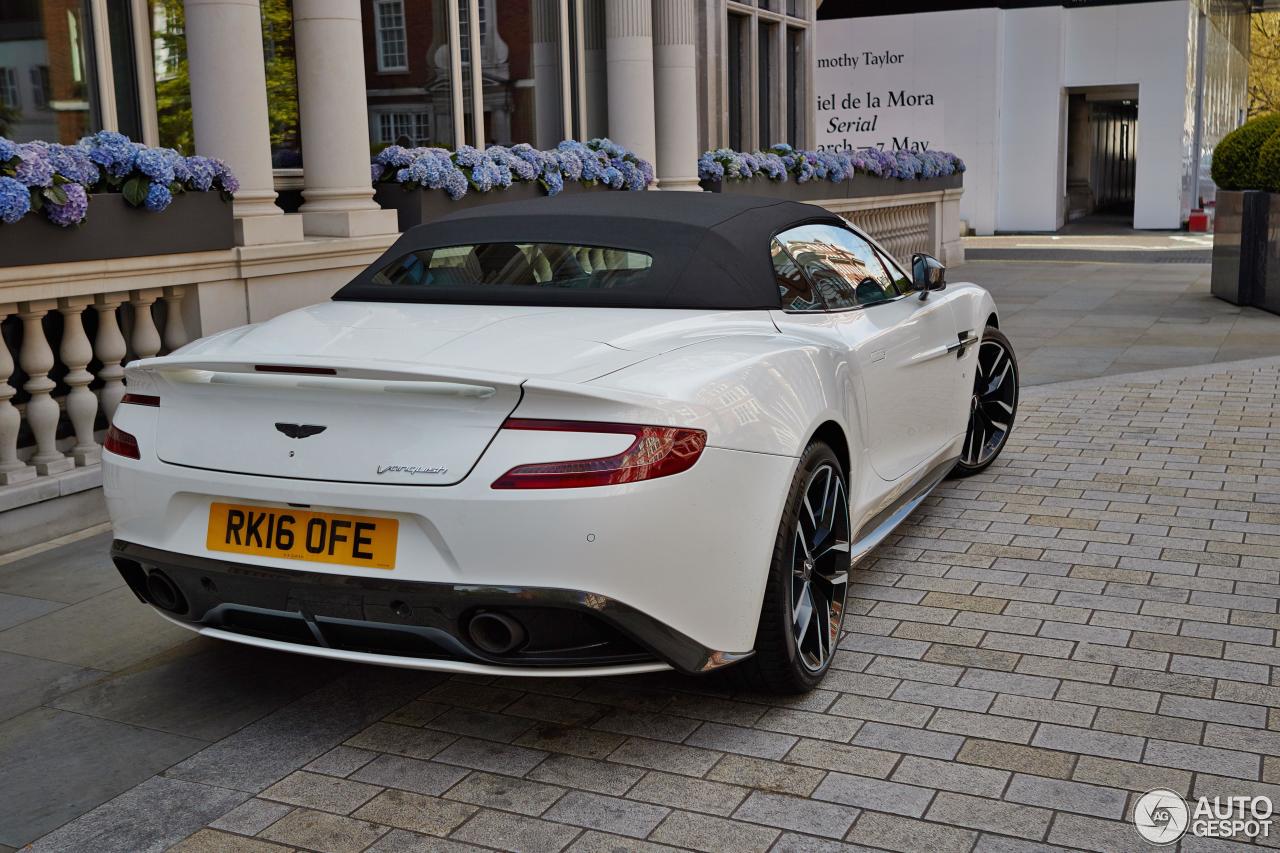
495 633
164 593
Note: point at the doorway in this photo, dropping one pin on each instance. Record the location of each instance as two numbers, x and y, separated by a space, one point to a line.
1102 162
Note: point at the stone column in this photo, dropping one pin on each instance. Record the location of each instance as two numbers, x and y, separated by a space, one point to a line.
675 79
629 60
548 112
337 192
597 118
229 109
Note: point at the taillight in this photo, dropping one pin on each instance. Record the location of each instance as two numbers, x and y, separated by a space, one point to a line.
121 443
140 399
656 452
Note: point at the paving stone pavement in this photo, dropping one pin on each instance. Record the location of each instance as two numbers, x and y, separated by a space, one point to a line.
1093 617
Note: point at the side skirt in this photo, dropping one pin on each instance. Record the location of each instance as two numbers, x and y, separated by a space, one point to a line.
883 523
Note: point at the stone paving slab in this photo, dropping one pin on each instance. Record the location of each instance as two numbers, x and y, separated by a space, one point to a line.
1091 618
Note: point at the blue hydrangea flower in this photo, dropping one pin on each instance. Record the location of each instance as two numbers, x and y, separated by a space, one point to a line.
570 164
394 155
468 156
158 197
612 176
72 211
552 181
375 172
73 163
153 163
15 200
202 173
455 184
8 150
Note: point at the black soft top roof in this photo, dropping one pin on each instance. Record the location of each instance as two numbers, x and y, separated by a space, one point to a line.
709 250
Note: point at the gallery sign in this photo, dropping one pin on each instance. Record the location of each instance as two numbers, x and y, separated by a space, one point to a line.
862 101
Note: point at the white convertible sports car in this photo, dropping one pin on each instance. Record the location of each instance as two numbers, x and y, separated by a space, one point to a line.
607 434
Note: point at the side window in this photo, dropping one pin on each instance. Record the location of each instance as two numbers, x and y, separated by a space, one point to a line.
901 281
844 268
793 288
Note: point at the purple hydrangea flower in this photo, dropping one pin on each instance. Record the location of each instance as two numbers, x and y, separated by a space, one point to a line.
34 168
224 177
72 211
375 172
15 200
158 197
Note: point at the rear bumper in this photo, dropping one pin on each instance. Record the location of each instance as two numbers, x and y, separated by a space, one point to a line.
409 623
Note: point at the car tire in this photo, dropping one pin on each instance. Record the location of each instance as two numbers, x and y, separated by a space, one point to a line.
789 658
993 406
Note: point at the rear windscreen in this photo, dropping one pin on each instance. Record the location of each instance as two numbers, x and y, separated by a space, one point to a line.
561 266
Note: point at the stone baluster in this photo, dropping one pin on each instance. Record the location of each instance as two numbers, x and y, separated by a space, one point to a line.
12 469
82 406
43 412
145 337
175 330
110 348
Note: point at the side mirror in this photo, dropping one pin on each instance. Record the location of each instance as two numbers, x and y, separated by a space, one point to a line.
927 273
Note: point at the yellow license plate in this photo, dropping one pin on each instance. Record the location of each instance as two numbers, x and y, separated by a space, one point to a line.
294 534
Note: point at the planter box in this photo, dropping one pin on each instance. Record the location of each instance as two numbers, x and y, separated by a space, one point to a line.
414 207
1269 298
195 222
1240 246
859 186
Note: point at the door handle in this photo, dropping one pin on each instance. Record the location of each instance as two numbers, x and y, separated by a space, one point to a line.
964 340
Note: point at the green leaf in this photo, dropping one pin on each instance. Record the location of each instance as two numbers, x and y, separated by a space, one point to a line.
59 180
55 194
135 191
175 188
37 202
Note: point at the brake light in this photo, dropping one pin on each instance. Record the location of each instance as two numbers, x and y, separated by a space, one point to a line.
140 399
656 452
295 368
121 443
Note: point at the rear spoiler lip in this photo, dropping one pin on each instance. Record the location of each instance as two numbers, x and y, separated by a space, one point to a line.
345 368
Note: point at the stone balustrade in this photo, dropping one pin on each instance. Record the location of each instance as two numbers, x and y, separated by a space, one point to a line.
50 426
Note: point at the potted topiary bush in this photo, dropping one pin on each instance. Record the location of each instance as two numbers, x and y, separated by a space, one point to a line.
1240 228
1267 178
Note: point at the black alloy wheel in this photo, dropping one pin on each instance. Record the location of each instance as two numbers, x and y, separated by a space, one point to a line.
808 582
993 405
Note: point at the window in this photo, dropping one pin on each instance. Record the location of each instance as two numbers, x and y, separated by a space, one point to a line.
9 95
518 265
404 128
766 47
390 35
795 85
766 67
794 289
739 67
40 86
844 268
464 27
